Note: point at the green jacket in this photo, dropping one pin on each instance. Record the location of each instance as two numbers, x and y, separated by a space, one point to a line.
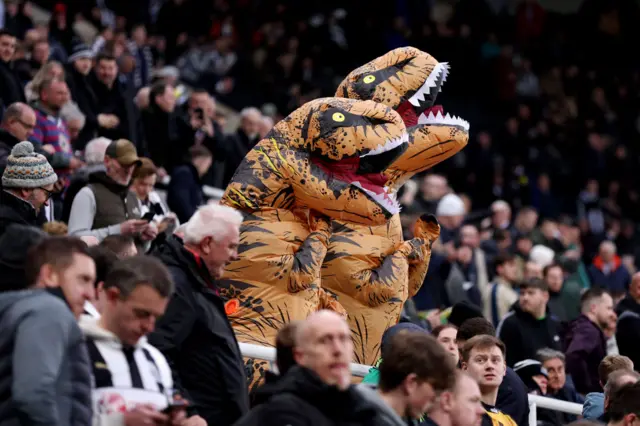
373 376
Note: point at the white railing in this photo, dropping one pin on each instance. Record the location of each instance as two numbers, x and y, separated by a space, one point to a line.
269 354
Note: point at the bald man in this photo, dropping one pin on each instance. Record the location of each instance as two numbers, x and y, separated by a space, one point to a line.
318 389
628 326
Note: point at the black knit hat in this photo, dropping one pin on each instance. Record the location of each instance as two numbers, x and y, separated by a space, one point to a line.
15 243
462 311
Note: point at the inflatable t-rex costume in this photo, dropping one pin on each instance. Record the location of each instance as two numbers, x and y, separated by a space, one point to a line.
370 269
309 161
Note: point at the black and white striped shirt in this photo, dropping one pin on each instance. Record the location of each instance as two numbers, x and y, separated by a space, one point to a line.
124 377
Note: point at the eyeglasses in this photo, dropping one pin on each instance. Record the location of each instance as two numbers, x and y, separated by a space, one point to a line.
49 193
27 126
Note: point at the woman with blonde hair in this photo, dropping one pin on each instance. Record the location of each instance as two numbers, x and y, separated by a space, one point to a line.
52 69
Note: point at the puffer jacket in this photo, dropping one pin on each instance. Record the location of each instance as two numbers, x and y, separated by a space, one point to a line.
41 339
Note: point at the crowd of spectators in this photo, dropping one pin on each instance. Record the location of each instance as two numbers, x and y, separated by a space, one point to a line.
538 213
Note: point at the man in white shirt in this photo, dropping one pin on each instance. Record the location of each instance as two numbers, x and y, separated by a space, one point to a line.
132 381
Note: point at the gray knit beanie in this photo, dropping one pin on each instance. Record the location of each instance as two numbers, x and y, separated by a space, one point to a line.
27 169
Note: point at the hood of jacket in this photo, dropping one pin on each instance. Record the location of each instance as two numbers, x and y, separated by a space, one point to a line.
593 407
91 327
386 415
9 298
306 385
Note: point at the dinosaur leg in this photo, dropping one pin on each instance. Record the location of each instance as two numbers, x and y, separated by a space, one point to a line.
427 228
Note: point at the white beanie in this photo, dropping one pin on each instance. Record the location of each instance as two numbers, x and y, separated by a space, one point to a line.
450 205
541 255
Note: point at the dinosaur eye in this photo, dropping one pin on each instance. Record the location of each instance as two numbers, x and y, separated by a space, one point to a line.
338 116
369 79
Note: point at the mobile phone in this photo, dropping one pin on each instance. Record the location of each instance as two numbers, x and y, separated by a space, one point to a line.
199 113
174 405
148 216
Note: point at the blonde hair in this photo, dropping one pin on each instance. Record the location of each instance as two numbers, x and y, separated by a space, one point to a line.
55 228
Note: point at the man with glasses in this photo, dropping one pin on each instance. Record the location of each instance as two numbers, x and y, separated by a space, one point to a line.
106 206
27 185
17 125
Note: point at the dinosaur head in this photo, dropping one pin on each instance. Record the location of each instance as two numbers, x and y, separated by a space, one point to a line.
409 81
341 148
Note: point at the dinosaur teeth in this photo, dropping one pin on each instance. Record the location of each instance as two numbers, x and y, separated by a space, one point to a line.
447 120
441 69
385 200
389 145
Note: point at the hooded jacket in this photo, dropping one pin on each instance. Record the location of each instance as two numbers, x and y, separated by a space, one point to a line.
628 329
195 336
301 398
524 335
42 343
585 346
110 373
593 407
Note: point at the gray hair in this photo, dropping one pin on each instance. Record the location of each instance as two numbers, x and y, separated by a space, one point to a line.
250 111
71 112
613 381
128 274
95 149
547 354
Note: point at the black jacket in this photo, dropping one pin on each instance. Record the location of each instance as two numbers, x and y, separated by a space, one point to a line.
118 100
233 152
628 329
185 195
11 89
585 345
512 397
162 143
524 335
300 398
196 338
15 210
82 94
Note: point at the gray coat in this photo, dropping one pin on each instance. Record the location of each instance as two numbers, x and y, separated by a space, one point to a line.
44 366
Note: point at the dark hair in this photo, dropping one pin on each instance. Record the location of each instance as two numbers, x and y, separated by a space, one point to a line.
117 243
145 169
475 327
412 352
157 89
436 331
5 32
482 341
198 151
104 56
57 252
547 268
501 259
127 274
104 259
537 283
285 342
623 401
501 235
590 295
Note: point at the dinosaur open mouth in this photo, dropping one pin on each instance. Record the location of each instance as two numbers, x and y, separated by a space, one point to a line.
365 171
420 108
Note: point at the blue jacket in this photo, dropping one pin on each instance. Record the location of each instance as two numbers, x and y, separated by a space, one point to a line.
185 192
593 407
